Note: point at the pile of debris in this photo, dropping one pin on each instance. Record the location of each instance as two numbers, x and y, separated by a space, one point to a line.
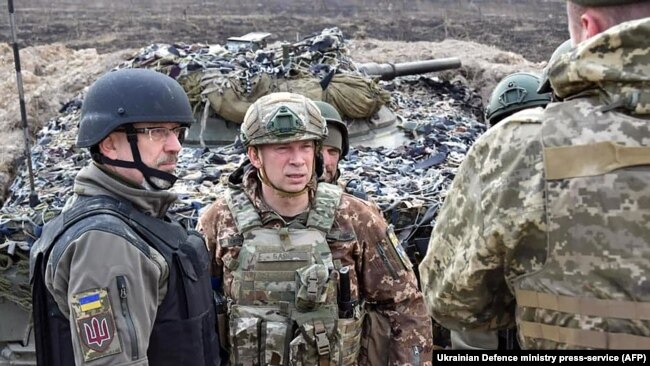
439 119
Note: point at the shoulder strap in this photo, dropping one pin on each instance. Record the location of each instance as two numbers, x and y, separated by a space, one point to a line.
66 224
137 223
328 198
242 210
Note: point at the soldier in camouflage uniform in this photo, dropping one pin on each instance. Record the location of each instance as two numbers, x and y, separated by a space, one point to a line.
284 247
335 145
546 224
515 92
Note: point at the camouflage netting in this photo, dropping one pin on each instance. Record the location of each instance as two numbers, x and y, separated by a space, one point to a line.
439 119
12 267
317 67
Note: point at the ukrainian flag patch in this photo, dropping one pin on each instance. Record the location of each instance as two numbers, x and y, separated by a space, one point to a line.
397 245
90 302
96 330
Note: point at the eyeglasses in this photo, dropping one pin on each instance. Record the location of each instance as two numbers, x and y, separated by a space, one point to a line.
158 134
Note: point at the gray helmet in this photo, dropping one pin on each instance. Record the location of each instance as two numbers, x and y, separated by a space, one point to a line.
515 92
334 119
128 96
545 82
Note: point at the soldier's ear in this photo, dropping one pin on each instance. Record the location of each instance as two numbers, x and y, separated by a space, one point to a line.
108 146
254 157
592 23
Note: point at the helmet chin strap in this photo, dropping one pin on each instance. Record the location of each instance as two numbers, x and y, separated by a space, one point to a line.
261 174
156 179
336 176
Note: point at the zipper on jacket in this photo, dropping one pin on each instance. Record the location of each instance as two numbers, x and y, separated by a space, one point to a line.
384 258
121 287
416 355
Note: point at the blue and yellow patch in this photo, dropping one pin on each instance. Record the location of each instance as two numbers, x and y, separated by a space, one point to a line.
90 302
96 330
397 246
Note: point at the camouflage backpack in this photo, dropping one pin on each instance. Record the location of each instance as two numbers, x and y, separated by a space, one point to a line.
284 307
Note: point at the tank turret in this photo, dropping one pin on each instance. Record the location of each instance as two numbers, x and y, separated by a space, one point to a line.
376 130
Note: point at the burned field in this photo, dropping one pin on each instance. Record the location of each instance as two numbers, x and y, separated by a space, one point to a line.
527 27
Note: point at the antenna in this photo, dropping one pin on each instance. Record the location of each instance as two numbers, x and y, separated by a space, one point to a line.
33 198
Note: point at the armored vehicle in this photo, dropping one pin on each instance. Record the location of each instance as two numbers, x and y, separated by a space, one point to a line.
377 130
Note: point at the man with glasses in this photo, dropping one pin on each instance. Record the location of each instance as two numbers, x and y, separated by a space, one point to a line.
115 280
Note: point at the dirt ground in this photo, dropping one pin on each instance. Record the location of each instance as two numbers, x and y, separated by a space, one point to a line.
67 44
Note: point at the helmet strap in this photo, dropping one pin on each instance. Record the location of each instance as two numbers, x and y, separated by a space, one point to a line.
337 175
319 164
150 174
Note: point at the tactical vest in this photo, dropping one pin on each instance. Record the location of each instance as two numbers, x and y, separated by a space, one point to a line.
283 309
184 329
592 292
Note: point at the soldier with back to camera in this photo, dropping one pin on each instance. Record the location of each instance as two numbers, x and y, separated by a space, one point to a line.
312 275
546 222
114 280
512 94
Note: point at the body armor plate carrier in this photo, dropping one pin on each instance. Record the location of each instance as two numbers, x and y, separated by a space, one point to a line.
284 302
183 331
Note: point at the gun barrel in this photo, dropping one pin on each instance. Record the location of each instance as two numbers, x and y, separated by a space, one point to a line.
390 71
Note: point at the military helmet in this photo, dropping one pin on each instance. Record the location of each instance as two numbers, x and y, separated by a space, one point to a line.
128 96
334 121
545 82
282 117
515 92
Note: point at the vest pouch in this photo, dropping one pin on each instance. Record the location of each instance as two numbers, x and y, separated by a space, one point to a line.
311 287
259 335
315 341
348 339
230 263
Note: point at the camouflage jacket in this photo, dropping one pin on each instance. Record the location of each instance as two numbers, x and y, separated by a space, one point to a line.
492 231
387 285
